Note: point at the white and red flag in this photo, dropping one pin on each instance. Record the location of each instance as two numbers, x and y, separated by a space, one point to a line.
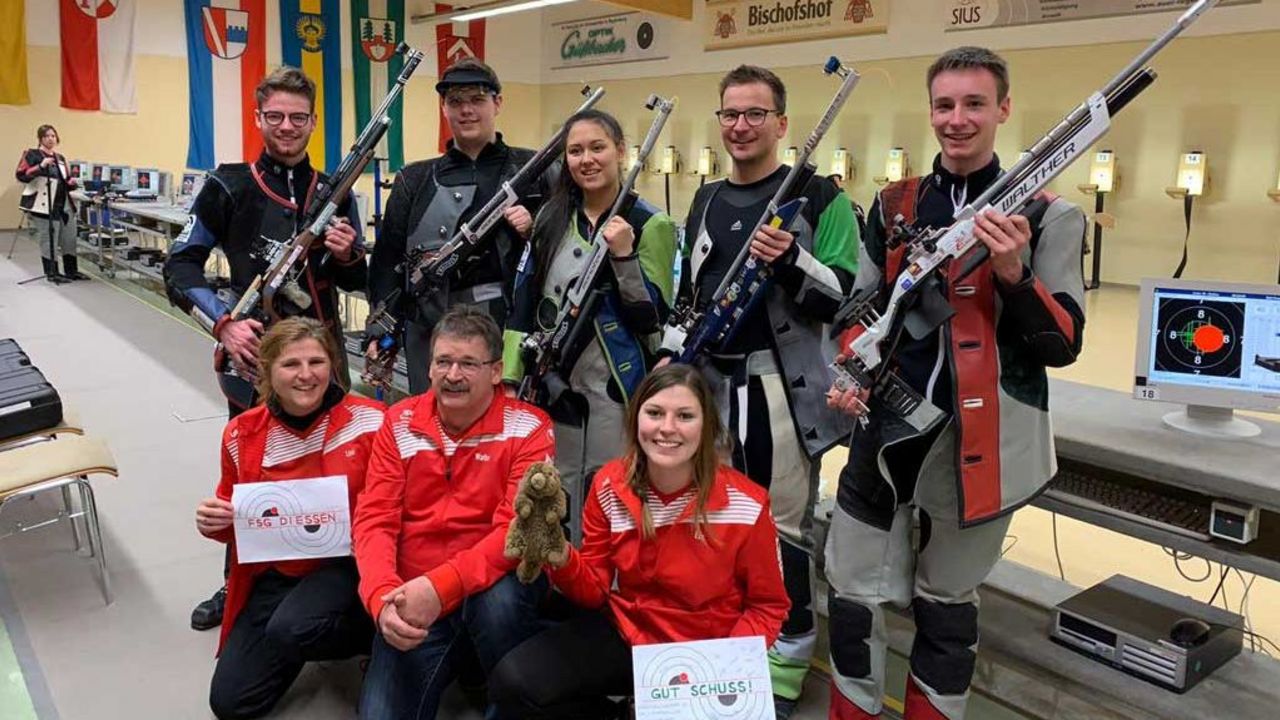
97 55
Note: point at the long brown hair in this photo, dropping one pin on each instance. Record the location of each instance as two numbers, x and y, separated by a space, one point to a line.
282 335
706 459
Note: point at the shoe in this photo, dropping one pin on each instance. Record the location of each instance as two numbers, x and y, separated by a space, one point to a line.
782 707
208 614
51 272
71 268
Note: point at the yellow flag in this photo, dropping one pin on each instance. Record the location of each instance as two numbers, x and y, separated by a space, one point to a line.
13 54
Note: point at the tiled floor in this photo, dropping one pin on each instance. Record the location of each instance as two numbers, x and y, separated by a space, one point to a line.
140 379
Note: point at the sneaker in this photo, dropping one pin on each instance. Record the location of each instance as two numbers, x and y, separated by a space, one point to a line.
208 614
782 707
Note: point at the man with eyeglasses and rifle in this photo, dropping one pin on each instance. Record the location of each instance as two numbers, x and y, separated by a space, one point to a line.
766 375
431 199
244 208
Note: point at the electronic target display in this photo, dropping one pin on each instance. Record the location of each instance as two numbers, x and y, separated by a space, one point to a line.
1206 338
1200 337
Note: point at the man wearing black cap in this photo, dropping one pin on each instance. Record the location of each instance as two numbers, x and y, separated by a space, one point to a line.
432 198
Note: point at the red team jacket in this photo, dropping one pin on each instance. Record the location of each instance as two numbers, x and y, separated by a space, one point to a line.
257 447
439 506
677 586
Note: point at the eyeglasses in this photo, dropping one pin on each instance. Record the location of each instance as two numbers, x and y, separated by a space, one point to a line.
466 367
754 116
274 118
459 101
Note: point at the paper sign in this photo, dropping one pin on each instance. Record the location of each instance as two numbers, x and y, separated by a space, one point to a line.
292 519
703 680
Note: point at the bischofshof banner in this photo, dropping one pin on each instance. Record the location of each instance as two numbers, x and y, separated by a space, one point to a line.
741 23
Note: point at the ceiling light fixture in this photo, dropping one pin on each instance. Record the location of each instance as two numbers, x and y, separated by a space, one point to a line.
506 9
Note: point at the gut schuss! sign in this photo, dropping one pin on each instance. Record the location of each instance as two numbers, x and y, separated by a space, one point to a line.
703 680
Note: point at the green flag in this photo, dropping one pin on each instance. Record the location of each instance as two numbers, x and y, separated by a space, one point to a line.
377 27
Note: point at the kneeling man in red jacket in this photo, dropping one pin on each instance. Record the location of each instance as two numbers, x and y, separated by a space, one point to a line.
430 525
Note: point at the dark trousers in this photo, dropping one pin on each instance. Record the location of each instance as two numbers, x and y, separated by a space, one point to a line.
566 672
408 685
286 622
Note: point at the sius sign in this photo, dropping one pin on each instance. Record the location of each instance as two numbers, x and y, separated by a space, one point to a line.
607 40
973 14
739 23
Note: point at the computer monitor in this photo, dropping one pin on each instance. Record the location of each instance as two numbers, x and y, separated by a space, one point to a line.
120 177
146 179
78 169
99 171
191 184
1214 346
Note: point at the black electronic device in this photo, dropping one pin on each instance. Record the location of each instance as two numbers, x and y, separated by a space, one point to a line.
1164 638
1237 522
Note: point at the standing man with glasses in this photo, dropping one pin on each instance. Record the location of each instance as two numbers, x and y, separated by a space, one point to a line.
431 524
432 198
768 376
245 209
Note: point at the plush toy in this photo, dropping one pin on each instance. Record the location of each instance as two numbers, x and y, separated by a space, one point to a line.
535 534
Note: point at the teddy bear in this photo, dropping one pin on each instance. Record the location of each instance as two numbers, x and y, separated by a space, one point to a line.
535 535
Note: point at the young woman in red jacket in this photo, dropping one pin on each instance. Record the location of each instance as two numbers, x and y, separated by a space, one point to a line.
281 614
676 546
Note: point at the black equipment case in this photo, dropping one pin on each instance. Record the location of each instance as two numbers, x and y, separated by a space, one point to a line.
27 401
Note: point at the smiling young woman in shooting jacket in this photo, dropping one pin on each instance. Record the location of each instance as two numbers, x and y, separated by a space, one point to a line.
586 397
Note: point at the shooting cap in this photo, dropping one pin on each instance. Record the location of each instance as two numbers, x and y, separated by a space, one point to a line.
469 71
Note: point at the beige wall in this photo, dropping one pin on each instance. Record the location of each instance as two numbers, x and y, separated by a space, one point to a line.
1211 96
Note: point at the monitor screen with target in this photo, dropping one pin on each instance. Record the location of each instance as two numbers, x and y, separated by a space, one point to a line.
1213 346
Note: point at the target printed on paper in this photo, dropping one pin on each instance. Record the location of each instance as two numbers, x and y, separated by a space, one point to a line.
273 501
682 666
1200 337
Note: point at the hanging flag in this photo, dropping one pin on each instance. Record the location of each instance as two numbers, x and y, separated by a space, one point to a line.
13 54
455 41
310 39
377 27
226 59
97 55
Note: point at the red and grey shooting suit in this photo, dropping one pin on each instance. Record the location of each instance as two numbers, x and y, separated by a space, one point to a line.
958 481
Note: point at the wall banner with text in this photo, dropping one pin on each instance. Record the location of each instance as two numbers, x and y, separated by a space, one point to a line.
741 23
607 40
975 14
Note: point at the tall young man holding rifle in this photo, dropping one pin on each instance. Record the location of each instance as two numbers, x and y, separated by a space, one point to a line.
245 208
989 451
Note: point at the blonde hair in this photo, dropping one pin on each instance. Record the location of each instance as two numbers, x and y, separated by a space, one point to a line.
706 459
282 335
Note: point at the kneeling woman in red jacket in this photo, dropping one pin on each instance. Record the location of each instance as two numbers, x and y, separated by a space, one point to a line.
282 614
689 541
